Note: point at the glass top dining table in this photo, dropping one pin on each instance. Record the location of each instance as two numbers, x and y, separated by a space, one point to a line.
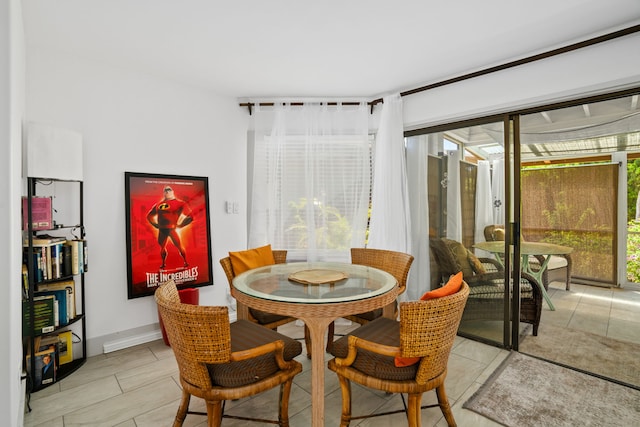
316 293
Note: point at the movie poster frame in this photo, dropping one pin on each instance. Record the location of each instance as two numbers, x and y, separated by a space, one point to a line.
142 192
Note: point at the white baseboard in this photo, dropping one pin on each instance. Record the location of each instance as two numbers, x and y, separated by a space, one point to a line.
130 341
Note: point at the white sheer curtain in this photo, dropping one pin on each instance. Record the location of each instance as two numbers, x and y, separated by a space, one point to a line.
419 280
484 206
389 226
311 179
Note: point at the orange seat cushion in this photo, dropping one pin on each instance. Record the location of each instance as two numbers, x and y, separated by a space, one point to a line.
242 261
452 286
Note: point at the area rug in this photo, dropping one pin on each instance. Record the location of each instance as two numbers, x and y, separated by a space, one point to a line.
528 392
610 358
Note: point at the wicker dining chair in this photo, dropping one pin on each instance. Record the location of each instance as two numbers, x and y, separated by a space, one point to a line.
268 320
219 361
369 355
395 263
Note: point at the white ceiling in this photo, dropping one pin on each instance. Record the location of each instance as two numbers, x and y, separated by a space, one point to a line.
323 48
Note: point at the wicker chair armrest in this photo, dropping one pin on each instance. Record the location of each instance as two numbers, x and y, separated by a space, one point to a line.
275 347
485 278
535 287
356 343
491 264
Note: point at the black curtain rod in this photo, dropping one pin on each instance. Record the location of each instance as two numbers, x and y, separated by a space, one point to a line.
554 52
250 105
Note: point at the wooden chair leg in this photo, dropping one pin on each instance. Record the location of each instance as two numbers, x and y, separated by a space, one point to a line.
283 413
330 333
214 413
413 409
443 401
307 341
345 387
182 409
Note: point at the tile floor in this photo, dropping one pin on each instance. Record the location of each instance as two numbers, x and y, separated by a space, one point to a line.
611 312
139 386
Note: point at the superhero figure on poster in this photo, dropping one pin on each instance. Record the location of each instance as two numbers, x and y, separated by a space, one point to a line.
168 216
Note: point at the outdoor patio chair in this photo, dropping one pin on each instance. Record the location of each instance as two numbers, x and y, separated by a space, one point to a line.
407 356
219 361
485 277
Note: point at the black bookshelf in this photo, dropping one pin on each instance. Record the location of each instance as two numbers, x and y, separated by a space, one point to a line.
77 324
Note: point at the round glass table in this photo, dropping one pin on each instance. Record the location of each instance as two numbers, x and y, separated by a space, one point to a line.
316 293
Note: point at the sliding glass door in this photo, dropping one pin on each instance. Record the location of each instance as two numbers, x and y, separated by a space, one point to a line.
467 202
579 190
547 200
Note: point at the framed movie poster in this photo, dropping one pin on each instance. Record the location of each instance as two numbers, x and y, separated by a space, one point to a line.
168 236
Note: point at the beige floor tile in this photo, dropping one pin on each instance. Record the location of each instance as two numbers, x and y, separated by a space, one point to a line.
125 406
133 378
56 422
103 367
624 330
77 398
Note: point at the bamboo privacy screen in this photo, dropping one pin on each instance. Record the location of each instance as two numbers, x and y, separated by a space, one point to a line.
575 206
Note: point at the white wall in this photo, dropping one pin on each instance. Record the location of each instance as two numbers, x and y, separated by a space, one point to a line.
11 114
605 67
140 123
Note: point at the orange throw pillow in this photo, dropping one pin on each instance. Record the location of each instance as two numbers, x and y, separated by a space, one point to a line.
452 286
252 258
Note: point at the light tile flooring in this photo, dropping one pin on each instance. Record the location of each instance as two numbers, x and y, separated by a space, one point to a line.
611 312
139 386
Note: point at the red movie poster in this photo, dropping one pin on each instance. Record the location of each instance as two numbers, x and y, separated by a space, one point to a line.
167 232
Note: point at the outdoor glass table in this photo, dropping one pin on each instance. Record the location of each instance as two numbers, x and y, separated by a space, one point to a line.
269 289
527 249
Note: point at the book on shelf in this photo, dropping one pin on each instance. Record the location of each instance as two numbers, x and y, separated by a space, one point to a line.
41 213
44 315
51 261
46 363
25 281
65 347
85 257
43 240
66 261
56 261
61 296
69 286
79 256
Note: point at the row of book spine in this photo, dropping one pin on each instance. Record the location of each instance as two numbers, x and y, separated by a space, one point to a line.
58 259
54 305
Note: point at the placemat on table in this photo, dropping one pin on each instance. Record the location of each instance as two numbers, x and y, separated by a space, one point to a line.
317 276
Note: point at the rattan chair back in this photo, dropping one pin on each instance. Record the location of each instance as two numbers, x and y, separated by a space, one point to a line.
199 335
395 263
428 330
